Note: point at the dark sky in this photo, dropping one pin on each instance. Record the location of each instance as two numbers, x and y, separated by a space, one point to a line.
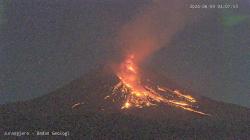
46 44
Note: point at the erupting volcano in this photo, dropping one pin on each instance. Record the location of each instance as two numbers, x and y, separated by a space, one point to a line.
143 35
137 93
122 95
151 29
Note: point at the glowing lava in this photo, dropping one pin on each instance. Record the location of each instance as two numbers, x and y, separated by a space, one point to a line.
138 94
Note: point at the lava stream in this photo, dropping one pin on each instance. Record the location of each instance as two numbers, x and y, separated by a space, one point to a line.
137 94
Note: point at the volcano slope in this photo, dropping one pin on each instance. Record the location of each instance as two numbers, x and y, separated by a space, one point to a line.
97 118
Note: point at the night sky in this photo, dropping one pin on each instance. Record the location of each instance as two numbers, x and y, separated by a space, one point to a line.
46 44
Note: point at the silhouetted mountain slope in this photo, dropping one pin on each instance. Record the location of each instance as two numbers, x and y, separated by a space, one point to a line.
97 118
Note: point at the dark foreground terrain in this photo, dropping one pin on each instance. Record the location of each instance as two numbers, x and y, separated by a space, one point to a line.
99 119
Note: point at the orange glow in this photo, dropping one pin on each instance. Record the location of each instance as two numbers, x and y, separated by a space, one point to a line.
161 89
126 105
141 95
76 105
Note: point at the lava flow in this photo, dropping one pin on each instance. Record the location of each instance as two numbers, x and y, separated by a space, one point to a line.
138 94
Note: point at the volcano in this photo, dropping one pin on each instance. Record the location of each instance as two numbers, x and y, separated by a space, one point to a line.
80 108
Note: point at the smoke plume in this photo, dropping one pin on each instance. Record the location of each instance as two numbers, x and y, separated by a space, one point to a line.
152 28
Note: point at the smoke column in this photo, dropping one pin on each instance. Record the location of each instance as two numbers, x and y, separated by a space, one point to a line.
152 28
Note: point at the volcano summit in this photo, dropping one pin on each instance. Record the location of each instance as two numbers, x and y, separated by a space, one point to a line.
79 110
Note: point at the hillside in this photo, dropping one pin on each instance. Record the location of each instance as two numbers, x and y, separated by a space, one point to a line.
97 118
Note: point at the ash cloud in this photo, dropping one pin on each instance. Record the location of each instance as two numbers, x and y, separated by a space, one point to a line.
152 28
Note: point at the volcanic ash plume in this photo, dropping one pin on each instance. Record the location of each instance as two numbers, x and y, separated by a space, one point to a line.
152 28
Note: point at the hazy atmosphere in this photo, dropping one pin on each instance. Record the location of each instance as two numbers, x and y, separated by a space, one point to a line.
46 44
